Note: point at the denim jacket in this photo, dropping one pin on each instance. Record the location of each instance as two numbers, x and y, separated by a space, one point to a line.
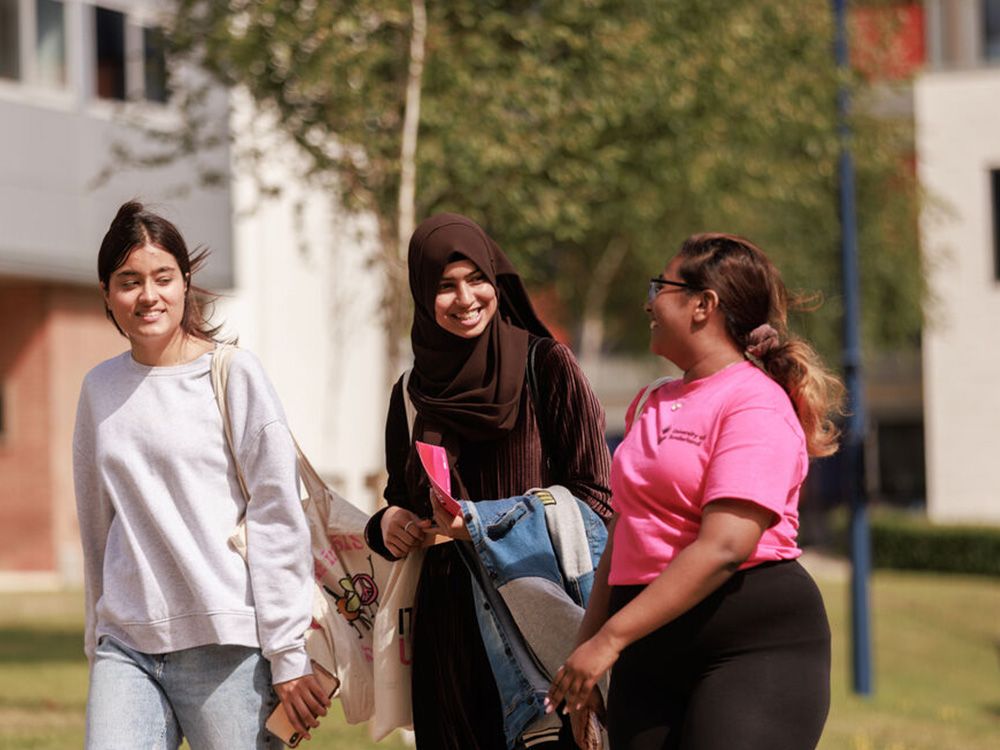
533 569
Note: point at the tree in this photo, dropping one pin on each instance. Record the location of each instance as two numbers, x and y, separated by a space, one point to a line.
588 136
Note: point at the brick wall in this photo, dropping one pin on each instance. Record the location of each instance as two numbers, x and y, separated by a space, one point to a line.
51 336
25 480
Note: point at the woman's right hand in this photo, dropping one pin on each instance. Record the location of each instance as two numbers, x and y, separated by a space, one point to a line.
403 530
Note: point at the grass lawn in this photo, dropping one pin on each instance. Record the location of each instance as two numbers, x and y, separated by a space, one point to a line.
936 648
937 670
43 680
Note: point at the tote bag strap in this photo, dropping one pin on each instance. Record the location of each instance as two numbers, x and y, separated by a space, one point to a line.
220 377
221 359
532 374
646 393
411 410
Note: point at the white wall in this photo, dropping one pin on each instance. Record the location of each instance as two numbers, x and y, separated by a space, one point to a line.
54 142
958 143
307 302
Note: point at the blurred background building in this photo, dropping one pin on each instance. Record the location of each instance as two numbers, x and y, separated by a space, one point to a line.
957 112
292 271
300 288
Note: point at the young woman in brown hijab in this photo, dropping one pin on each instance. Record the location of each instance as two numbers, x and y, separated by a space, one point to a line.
473 329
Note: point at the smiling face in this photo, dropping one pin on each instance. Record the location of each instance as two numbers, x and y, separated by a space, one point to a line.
146 295
466 301
671 313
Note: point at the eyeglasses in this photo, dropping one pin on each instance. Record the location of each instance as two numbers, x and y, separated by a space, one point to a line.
655 284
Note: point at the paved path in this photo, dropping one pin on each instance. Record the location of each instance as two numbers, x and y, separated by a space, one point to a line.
825 566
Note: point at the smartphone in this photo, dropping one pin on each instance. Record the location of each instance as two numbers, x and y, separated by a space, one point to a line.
278 723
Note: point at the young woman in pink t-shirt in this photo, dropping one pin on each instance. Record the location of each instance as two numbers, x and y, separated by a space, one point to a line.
718 637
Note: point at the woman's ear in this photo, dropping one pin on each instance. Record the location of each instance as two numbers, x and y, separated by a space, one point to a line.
104 291
708 303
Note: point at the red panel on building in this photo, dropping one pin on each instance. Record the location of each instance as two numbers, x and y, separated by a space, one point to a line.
887 41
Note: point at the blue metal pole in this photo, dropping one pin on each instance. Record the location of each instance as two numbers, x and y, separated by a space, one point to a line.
855 428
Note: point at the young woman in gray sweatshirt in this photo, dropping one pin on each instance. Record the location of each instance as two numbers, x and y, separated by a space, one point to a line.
185 638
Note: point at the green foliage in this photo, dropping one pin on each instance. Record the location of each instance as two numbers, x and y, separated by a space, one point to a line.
332 72
903 543
571 129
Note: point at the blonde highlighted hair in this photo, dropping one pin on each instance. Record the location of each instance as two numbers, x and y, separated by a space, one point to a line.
752 293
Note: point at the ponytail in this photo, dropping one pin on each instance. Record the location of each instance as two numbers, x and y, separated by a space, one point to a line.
816 393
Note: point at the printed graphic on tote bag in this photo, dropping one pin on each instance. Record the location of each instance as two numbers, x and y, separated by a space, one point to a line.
356 595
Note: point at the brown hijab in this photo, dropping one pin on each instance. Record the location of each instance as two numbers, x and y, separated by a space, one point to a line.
466 389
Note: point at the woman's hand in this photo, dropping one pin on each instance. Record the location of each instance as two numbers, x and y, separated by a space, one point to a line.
402 530
445 523
575 679
304 701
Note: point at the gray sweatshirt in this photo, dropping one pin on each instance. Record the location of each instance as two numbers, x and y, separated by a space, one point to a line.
158 497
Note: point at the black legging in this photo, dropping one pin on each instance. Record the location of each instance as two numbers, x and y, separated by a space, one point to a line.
748 668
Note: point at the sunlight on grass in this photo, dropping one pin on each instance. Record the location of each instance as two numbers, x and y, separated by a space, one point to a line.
937 670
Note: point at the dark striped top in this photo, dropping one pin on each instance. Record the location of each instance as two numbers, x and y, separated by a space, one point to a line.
559 440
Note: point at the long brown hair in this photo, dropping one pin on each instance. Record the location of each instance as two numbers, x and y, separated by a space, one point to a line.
752 293
134 226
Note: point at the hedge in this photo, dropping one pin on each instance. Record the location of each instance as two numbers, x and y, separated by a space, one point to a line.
903 543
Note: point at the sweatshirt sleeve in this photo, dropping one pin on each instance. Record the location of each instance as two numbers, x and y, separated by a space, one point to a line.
279 552
94 516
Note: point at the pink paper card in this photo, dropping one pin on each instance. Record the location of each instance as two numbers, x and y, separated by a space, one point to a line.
435 463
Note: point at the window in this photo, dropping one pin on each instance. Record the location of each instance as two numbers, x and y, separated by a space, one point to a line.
154 54
991 29
51 43
901 470
109 26
995 203
10 47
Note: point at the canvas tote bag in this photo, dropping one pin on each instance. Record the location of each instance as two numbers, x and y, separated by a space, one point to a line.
394 634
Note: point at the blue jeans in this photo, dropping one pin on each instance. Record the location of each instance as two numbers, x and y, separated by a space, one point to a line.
217 697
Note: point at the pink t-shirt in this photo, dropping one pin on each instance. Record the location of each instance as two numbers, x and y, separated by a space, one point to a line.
731 435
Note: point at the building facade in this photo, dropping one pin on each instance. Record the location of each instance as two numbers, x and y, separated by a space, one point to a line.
75 75
957 113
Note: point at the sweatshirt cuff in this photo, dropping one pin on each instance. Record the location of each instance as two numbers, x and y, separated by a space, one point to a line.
289 665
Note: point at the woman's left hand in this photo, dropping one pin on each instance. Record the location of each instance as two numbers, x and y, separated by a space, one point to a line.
575 679
445 523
